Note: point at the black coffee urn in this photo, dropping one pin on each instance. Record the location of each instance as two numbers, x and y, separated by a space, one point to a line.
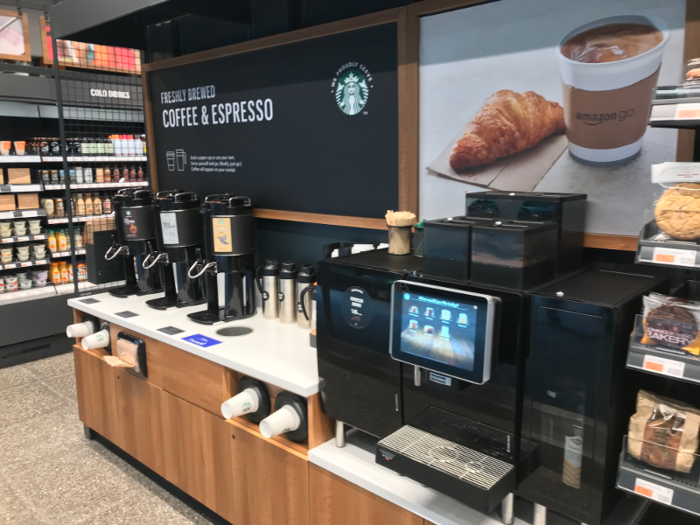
180 238
229 241
134 240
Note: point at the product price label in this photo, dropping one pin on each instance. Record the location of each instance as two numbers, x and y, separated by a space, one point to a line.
25 264
29 214
688 112
675 257
22 239
663 366
168 222
653 491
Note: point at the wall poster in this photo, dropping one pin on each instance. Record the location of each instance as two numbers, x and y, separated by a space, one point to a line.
309 126
548 96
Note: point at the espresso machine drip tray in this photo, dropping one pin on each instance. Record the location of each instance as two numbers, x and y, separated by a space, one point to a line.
477 479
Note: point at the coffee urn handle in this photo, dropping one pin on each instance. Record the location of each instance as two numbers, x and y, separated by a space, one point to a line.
306 290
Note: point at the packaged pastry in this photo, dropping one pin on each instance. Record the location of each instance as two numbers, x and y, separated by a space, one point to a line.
672 322
664 433
677 212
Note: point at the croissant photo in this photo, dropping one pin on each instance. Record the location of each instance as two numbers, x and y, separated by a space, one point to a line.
507 123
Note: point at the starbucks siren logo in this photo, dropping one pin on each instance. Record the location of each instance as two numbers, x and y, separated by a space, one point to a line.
351 86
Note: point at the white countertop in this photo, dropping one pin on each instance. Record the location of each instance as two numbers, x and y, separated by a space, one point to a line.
355 463
273 352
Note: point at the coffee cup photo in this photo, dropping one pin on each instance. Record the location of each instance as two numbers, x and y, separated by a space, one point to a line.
609 69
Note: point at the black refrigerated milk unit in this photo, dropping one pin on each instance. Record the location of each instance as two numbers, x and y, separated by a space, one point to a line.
578 394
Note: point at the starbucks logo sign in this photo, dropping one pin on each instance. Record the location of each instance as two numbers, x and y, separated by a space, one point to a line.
351 86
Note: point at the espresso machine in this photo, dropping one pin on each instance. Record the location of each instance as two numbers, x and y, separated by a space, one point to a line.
499 372
229 245
134 239
180 240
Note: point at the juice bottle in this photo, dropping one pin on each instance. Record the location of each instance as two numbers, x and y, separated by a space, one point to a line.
78 238
89 206
139 174
64 272
132 174
62 241
107 206
55 273
108 174
51 241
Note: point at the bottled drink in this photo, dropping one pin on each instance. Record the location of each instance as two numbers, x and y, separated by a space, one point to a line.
97 203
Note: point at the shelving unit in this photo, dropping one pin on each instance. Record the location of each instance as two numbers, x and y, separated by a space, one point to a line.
120 158
97 185
23 238
20 188
58 255
82 218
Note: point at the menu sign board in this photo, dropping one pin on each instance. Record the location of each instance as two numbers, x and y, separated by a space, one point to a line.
308 126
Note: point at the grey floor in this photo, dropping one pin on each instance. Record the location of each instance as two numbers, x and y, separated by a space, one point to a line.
50 474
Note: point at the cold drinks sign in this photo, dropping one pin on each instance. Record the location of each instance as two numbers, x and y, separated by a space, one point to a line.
308 126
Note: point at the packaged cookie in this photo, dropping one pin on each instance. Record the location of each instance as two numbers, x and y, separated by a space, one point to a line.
672 322
677 211
664 433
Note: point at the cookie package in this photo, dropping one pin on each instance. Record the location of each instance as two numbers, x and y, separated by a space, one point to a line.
672 322
664 433
677 211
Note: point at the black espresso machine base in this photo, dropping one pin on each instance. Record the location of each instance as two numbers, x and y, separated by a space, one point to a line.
162 303
128 291
479 480
209 317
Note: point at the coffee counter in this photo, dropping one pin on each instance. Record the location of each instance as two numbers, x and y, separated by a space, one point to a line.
171 422
273 352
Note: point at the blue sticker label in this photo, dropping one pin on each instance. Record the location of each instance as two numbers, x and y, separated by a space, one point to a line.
201 340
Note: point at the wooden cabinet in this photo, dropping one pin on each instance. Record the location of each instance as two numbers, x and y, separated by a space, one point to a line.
140 429
198 454
201 382
97 405
335 501
272 480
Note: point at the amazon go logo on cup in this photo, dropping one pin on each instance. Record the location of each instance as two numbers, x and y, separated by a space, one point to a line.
609 69
596 119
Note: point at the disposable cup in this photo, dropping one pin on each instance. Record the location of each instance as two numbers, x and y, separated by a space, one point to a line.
97 340
606 104
80 329
244 403
286 419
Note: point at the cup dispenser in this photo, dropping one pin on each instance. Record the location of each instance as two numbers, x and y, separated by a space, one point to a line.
289 418
134 240
229 242
252 401
180 239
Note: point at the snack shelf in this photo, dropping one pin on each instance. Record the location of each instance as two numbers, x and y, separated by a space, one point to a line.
101 158
18 214
95 185
20 188
86 286
57 255
19 159
84 218
23 238
673 489
23 264
661 360
657 248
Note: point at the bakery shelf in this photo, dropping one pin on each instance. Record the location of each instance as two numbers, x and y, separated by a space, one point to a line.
19 159
23 238
18 214
58 255
20 188
120 158
657 248
674 489
661 360
95 185
83 218
14 265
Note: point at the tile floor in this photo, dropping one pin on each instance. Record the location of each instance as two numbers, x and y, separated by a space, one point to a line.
51 474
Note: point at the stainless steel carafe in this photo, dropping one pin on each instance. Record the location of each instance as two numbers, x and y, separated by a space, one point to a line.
288 292
268 284
305 279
